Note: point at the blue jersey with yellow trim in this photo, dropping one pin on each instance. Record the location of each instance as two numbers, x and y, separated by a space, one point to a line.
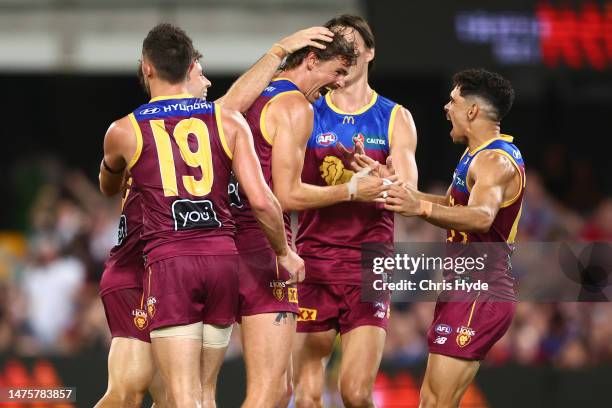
330 238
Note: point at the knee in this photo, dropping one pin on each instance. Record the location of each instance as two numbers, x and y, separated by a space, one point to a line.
126 397
356 395
427 399
305 401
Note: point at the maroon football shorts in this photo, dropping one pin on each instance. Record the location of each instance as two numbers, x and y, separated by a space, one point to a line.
125 314
262 285
468 330
189 289
339 307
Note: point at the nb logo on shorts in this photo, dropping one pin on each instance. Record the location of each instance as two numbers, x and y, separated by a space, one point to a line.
440 340
307 314
149 111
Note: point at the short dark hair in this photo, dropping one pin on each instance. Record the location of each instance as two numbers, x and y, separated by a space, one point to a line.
490 86
358 24
170 50
338 47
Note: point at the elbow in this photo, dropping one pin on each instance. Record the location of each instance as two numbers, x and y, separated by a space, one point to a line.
483 222
263 204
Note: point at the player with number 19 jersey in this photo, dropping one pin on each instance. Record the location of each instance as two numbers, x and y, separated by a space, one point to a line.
181 168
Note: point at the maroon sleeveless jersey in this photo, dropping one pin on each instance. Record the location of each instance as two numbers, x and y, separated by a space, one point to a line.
330 239
124 267
249 236
501 235
182 167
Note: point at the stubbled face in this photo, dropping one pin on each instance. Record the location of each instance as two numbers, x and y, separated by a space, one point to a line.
364 54
142 78
457 110
325 74
198 84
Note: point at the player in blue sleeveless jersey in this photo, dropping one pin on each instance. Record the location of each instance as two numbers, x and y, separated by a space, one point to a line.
329 239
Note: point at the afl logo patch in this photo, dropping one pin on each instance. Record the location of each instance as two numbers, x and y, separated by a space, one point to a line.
149 111
327 139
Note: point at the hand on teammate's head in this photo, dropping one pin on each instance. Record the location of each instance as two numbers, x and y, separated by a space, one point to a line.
313 36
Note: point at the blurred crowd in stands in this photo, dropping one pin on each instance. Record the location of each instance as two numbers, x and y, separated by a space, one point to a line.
49 276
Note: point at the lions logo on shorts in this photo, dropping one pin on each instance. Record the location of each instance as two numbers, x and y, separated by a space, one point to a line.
465 336
140 319
278 289
151 305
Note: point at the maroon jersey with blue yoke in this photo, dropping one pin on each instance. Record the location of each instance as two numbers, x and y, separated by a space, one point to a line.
249 236
503 230
181 169
125 267
330 238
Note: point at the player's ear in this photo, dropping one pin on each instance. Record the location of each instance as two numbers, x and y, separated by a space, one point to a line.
370 53
473 111
311 60
147 68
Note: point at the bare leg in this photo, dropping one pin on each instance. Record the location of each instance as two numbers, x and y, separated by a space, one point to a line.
446 379
158 392
130 371
178 360
212 359
362 350
309 358
267 341
285 399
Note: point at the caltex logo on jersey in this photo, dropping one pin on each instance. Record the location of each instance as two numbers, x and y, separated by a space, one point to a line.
359 137
149 111
327 139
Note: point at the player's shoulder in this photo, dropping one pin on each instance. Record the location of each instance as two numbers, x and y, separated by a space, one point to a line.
492 162
292 104
120 127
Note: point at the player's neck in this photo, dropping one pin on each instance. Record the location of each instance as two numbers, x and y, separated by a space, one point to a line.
481 134
295 76
353 97
159 88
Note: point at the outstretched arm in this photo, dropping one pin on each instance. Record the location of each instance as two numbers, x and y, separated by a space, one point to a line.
290 119
493 174
251 84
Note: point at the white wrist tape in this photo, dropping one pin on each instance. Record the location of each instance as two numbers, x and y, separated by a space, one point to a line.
352 184
386 182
